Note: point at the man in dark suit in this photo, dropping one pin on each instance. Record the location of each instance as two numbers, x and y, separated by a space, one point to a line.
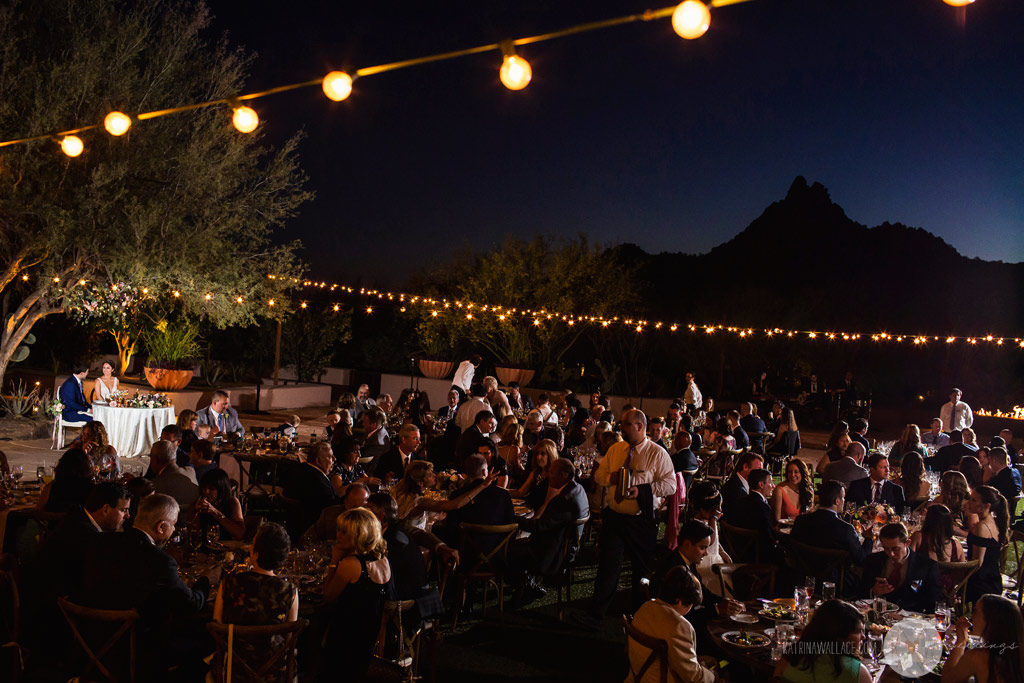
655 431
752 424
72 396
556 508
476 439
909 579
377 441
876 487
948 457
310 485
517 399
391 465
1004 479
754 512
130 571
447 412
492 505
823 528
736 487
859 433
685 460
222 418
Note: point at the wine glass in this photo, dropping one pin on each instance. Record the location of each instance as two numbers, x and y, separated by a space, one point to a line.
17 472
828 590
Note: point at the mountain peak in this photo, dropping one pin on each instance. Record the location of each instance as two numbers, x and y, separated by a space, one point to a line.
801 192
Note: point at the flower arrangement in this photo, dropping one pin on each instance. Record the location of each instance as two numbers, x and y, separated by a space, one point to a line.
54 407
448 480
122 399
875 513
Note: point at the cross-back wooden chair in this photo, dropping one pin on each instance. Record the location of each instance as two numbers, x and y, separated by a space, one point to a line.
565 574
410 641
954 576
824 563
255 653
657 646
84 620
746 581
482 562
740 542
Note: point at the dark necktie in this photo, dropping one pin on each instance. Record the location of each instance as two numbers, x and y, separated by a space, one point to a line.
220 423
877 498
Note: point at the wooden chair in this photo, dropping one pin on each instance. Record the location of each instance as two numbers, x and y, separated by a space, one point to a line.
10 619
740 542
746 581
1012 549
954 576
407 656
565 575
824 563
480 562
252 653
120 622
657 646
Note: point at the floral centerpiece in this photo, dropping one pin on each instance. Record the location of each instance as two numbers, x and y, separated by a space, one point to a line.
448 480
122 399
874 513
54 407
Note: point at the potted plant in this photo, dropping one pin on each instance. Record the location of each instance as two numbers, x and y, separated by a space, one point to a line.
515 354
172 350
433 360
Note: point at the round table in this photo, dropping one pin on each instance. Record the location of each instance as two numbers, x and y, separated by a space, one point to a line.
132 430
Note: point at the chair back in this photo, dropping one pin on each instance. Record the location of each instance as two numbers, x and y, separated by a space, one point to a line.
740 542
824 563
87 622
657 646
953 576
478 557
393 632
255 653
747 581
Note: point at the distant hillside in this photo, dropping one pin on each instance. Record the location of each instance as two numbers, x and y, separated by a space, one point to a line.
804 262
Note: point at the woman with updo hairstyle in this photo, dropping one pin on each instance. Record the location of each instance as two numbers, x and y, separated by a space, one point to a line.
259 597
705 505
986 540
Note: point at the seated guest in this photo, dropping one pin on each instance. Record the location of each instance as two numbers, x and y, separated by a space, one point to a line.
705 505
656 431
414 505
737 487
912 480
72 397
754 512
686 423
954 492
847 468
986 540
547 414
343 429
310 485
476 438
752 424
935 537
392 464
999 657
497 398
910 442
1007 436
876 487
447 412
684 460
71 485
187 422
795 494
408 569
173 434
664 618
468 411
168 478
1004 478
517 399
138 488
377 441
510 448
970 439
835 446
738 433
355 591
828 649
487 504
324 529
203 432
555 512
104 385
94 441
824 528
972 470
902 576
859 433
222 418
131 571
935 436
218 506
347 469
201 458
540 459
385 507
948 457
787 439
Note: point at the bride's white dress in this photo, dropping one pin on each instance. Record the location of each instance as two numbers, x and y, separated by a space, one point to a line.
104 391
716 555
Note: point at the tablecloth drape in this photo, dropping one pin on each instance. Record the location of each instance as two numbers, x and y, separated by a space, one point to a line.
133 430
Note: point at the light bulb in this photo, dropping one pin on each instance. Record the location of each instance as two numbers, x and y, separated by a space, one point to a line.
958 3
337 85
515 72
72 145
117 123
691 19
245 119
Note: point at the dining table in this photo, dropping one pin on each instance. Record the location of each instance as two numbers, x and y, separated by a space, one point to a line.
132 430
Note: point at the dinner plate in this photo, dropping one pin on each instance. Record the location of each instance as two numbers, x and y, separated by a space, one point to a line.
746 639
744 618
778 613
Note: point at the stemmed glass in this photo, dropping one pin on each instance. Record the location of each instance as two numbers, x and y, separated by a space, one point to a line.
17 472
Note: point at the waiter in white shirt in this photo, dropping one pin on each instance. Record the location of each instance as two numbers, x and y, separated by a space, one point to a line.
692 398
464 376
956 415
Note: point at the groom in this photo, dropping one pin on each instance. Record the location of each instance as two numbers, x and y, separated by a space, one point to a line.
72 395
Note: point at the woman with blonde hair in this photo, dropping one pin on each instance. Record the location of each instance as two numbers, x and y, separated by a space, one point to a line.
355 591
410 491
510 447
103 455
541 457
187 421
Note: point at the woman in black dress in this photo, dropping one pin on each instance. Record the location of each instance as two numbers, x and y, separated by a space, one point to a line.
986 540
72 482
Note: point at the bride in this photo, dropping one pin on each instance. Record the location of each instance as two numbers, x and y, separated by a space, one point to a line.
105 384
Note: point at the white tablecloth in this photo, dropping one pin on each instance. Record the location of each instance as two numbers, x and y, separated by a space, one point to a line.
133 430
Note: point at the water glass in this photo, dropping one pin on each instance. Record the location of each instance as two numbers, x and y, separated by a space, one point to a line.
874 646
40 472
828 590
941 616
809 584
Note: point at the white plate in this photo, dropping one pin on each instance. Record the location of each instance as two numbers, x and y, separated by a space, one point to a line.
744 618
763 640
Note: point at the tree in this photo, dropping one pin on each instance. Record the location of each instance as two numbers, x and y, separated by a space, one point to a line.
182 207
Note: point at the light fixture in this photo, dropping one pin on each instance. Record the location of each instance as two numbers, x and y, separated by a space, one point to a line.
72 145
515 73
958 3
117 123
337 85
245 119
691 19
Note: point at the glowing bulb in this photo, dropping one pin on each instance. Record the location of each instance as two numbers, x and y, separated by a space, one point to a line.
515 72
117 123
72 145
238 299
208 296
302 305
337 85
958 3
176 294
270 303
245 119
691 19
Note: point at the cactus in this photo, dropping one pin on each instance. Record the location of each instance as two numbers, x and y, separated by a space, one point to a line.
21 353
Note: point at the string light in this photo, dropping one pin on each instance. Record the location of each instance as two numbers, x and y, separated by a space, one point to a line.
72 145
691 19
245 119
958 3
117 123
515 73
337 85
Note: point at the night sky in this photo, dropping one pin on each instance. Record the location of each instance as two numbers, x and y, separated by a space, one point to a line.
907 110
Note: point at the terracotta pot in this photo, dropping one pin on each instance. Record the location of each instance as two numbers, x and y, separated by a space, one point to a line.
168 380
508 374
435 369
